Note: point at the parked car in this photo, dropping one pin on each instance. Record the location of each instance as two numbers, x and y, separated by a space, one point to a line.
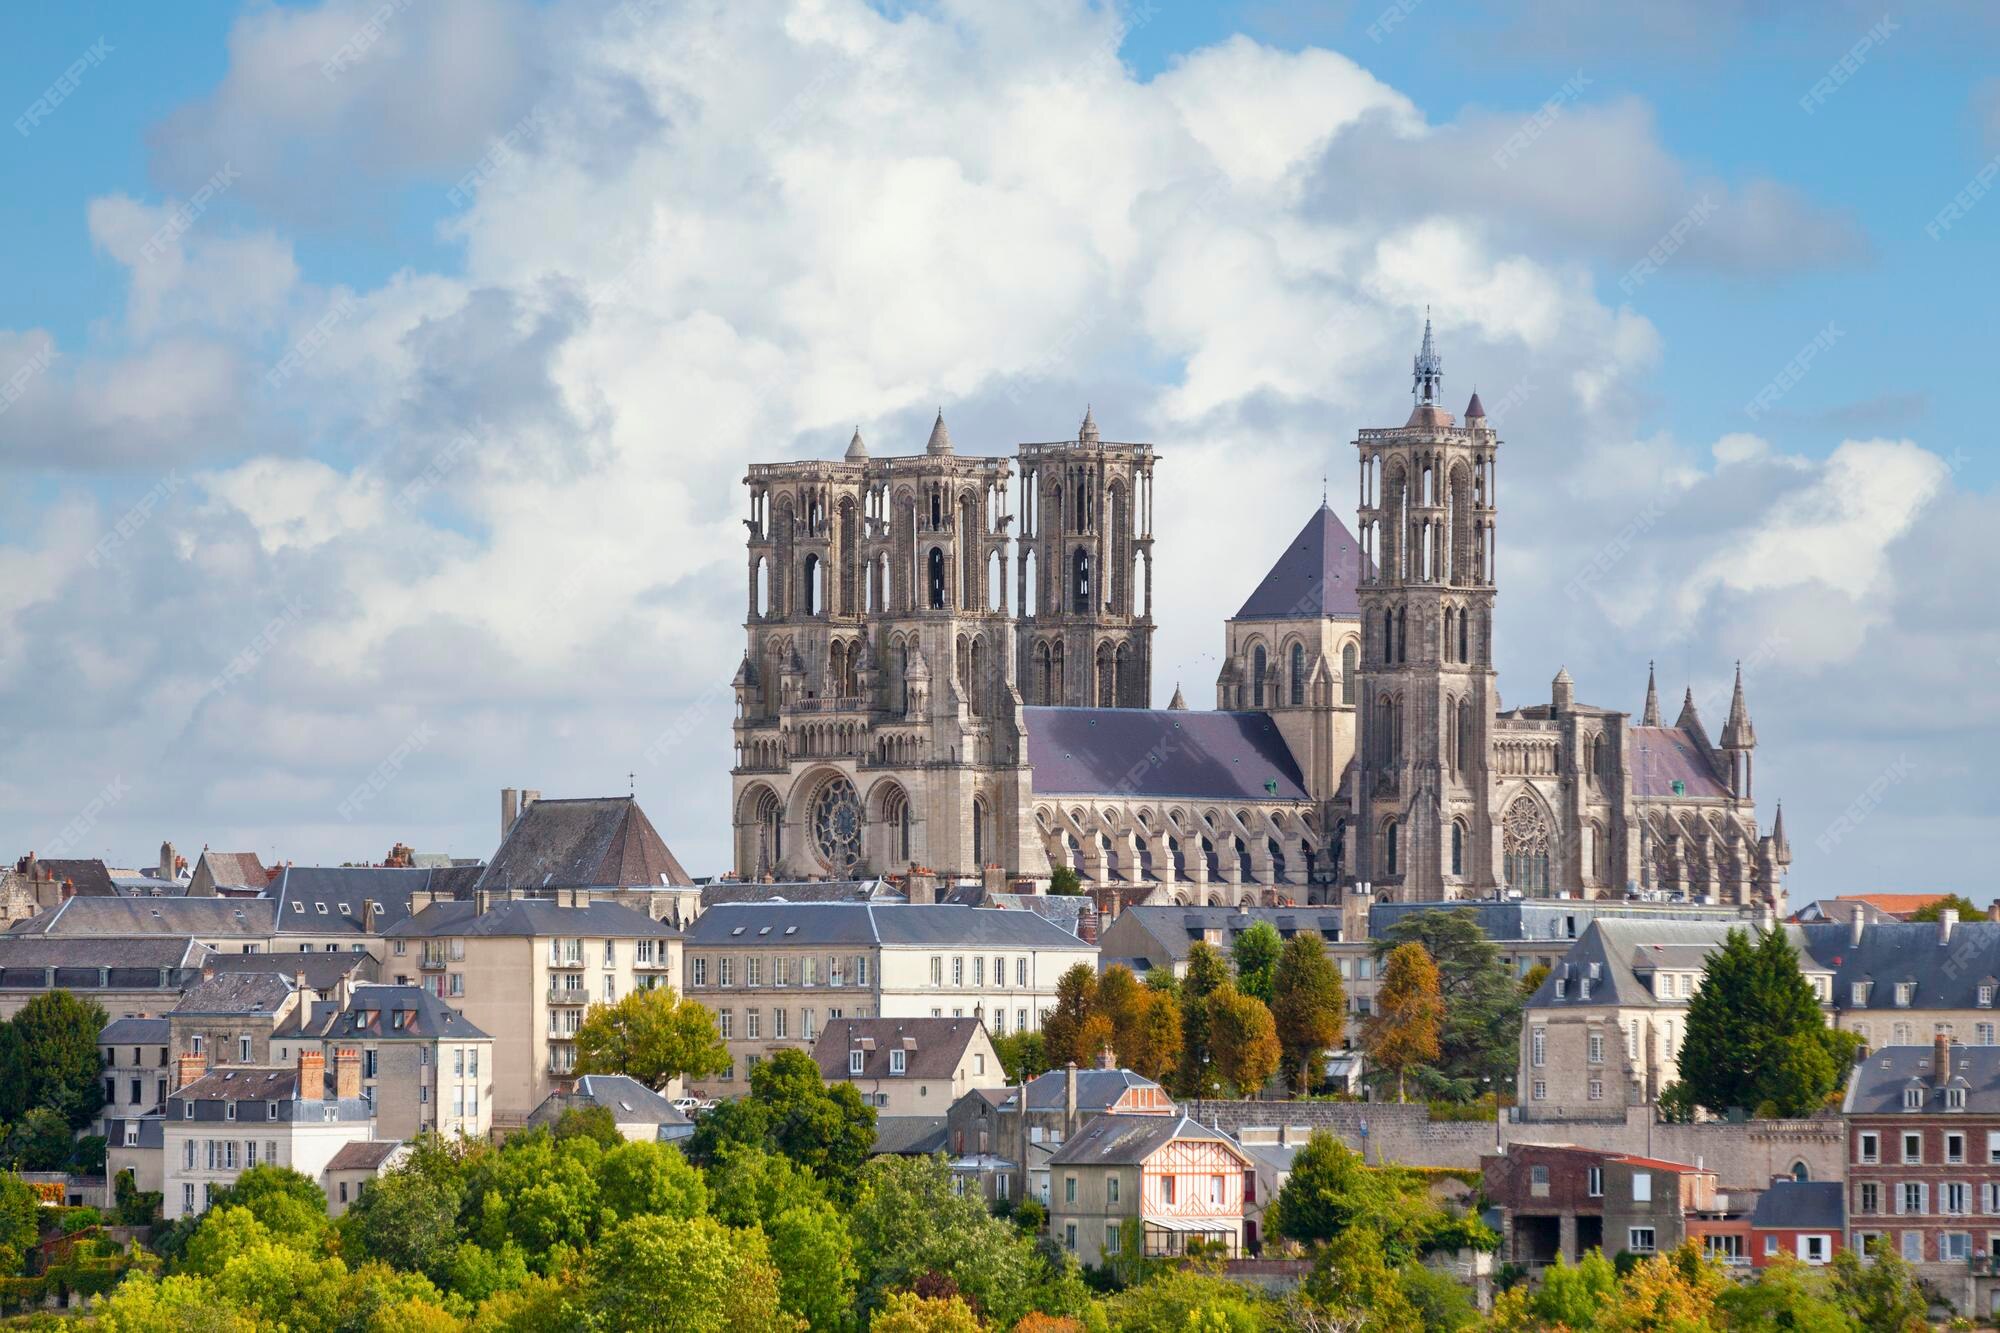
687 1105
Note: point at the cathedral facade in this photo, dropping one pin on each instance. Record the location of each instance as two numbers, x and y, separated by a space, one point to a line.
897 711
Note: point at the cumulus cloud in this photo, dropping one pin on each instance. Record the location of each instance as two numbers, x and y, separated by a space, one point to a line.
505 511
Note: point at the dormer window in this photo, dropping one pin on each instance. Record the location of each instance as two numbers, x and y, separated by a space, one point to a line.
1906 991
1913 1099
1986 997
896 1062
1562 989
1583 989
1954 1099
1860 994
854 1064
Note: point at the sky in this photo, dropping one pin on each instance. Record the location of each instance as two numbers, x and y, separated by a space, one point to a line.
377 377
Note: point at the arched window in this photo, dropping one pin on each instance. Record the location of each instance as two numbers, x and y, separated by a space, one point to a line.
1526 842
809 591
937 507
979 833
1389 838
1445 645
1463 655
1463 750
1298 675
1800 1172
1258 665
1347 666
937 578
1080 582
1388 636
1402 634
1457 848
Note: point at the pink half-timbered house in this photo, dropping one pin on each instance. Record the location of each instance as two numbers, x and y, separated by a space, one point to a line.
1183 1182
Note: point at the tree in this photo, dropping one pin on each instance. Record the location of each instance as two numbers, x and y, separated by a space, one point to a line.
1065 882
653 1035
1353 1282
1141 1024
1479 1040
1067 1028
1255 954
1023 1055
750 1187
641 1178
1956 902
1330 1191
407 1219
20 1222
1403 1031
1786 1295
39 1141
1755 1036
791 1110
1532 979
1246 1040
814 1254
1184 1301
49 1058
1309 1005
1881 1294
1207 972
670 1273
1158 1042
907 1312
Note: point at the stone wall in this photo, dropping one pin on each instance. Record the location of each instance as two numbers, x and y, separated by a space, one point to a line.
1743 1154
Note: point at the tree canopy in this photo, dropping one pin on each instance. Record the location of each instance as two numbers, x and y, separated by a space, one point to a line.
1402 1033
1255 953
1479 1037
1309 1006
653 1035
1756 1038
49 1059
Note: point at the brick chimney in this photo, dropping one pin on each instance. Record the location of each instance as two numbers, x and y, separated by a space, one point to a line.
510 807
923 886
994 879
1947 922
347 1074
1107 1058
312 1076
1069 1101
1941 1060
1086 922
191 1066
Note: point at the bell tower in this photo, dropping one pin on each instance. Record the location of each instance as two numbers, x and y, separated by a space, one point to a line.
1086 575
1420 827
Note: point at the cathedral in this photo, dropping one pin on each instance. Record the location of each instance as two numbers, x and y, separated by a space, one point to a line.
939 682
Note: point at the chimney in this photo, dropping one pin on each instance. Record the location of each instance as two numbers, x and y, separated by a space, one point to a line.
347 1073
1856 924
1069 1101
368 916
923 886
528 797
1107 1058
510 807
167 858
312 1076
191 1066
1993 911
1947 919
1941 1060
994 879
1086 922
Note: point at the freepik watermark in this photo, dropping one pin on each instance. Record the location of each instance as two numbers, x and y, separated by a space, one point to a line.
388 770
1794 370
504 151
1848 65
440 465
1610 555
1392 18
363 40
1668 245
1964 201
1866 804
258 648
59 92
134 519
1546 115
185 214
73 833
670 744
308 345
16 385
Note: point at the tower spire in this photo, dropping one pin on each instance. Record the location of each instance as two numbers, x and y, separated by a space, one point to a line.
1427 370
1737 733
1651 717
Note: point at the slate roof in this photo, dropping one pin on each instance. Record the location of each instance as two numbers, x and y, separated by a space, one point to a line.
1948 973
91 878
1802 1205
888 924
1096 1089
529 918
320 900
1063 909
237 993
1128 1140
1619 949
1177 928
809 891
629 1101
909 1135
1160 753
322 971
600 842
364 1155
40 951
1316 575
138 917
1537 920
932 1047
1657 757
235 870
383 1013
133 1032
1877 1083
240 1083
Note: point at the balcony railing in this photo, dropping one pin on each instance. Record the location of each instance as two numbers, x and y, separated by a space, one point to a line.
564 995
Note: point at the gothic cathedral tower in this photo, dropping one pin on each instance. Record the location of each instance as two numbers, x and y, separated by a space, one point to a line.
1086 577
1420 827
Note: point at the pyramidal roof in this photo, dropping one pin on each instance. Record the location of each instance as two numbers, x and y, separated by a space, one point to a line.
1316 576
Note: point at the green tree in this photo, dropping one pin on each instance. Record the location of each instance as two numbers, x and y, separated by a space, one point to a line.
1882 1294
907 1312
407 1219
20 1222
1956 902
1309 1005
48 1058
1786 1295
750 1186
39 1141
1022 1055
1246 1041
1532 979
595 1123
653 1035
639 1178
1068 1030
1065 882
1479 1038
1756 1038
143 1303
1157 1047
814 1254
1207 972
1353 1281
1255 954
290 1206
1403 1031
790 1109
1331 1190
668 1273
1185 1301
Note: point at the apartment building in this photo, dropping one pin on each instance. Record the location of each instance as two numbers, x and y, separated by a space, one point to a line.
774 973
908 1066
138 1070
424 1065
221 1123
524 971
227 1018
124 977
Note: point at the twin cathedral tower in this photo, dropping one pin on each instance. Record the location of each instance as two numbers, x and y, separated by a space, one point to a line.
940 686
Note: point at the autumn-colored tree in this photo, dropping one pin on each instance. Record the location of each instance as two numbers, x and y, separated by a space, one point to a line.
1245 1039
1403 1032
1064 1034
1308 1004
1159 1045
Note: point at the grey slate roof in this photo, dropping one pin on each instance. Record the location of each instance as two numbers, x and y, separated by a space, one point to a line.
1096 1089
529 918
1657 757
383 1013
1948 974
320 900
1177 928
1876 1086
889 924
1551 919
91 878
1160 753
138 917
1802 1205
628 1100
932 1047
909 1135
237 993
1127 1140
1315 576
1612 953
322 971
234 870
133 1032
600 842
808 891
39 951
